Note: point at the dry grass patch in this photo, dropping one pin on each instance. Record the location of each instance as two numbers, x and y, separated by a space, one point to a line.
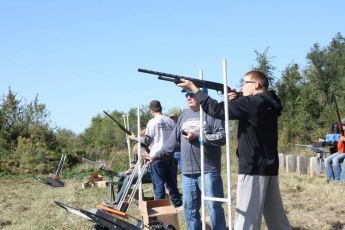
310 203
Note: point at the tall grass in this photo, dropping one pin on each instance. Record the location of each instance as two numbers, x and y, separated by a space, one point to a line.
310 203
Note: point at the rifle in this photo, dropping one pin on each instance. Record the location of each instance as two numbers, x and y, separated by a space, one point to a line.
338 115
314 148
102 219
110 174
177 79
129 133
339 122
101 166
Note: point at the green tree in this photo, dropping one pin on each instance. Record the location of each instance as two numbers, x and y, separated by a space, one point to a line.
175 110
264 64
26 137
325 75
292 121
145 116
307 94
11 116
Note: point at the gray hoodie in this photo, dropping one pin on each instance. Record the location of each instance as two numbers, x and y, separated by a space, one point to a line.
190 151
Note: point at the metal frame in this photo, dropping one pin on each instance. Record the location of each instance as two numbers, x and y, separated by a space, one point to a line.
126 124
140 169
228 156
53 179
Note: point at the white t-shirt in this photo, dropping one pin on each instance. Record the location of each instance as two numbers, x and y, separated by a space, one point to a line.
159 129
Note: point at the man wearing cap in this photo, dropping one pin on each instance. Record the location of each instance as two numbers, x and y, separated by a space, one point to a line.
158 130
187 133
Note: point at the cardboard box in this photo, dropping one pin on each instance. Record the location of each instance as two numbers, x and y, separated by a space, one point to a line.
101 184
160 210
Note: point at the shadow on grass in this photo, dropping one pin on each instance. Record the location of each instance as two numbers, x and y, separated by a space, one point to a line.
337 226
334 226
4 223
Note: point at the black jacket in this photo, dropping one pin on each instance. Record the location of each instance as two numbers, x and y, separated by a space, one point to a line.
257 129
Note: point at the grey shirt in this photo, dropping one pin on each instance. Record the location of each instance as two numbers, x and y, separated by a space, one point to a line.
190 151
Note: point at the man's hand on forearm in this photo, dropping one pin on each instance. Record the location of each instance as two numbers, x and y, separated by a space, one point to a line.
132 137
149 160
232 95
190 136
188 85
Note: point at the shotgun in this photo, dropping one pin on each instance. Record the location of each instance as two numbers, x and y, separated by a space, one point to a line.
339 122
129 133
101 166
198 83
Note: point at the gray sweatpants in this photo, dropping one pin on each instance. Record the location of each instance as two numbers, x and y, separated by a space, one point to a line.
257 195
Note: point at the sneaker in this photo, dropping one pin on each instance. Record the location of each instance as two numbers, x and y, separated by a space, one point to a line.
178 204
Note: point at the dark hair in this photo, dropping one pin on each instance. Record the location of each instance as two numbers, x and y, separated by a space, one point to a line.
259 76
155 105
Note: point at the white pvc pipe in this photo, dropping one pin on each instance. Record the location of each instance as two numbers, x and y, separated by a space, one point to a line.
202 160
129 185
139 154
227 133
228 157
126 124
216 199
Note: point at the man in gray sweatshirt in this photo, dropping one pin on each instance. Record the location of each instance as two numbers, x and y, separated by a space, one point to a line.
186 134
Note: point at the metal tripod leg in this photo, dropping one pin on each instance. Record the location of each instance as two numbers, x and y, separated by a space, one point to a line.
121 203
129 183
60 165
137 185
111 190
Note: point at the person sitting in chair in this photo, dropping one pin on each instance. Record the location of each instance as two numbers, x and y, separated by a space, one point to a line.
126 175
332 163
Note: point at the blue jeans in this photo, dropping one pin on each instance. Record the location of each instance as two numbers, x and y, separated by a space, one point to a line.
177 157
164 172
191 188
342 174
332 164
124 180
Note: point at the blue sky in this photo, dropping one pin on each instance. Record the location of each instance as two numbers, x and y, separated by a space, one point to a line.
81 56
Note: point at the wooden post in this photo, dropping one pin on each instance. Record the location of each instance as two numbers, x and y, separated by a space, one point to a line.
290 163
301 165
314 167
281 162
